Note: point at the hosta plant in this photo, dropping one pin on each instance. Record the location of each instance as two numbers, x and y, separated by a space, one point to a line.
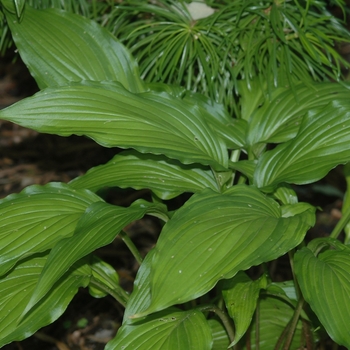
194 289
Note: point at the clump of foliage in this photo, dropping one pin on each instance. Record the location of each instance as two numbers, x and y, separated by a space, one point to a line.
212 48
243 211
100 11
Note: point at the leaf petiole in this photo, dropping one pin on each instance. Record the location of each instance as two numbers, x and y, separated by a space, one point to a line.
117 293
130 244
225 319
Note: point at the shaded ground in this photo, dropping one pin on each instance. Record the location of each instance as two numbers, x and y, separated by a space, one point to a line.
29 158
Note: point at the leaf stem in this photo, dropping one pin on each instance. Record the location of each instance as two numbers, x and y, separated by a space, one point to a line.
225 319
293 323
234 158
341 224
117 293
257 327
291 262
130 244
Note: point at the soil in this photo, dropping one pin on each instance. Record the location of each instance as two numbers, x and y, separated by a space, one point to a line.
27 158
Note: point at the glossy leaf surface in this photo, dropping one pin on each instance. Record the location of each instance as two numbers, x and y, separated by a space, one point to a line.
105 274
241 296
231 130
112 116
98 227
278 120
322 142
329 272
65 47
37 218
165 177
250 224
16 289
171 330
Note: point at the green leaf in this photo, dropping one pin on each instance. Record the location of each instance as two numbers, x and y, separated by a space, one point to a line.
329 272
98 227
274 316
285 194
284 289
278 120
16 289
241 296
169 329
9 5
251 98
112 116
65 47
165 177
232 131
323 142
246 167
105 274
37 218
19 7
250 225
221 340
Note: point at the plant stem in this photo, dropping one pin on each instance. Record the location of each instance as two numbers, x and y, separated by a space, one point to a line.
234 158
257 327
118 294
341 224
296 284
225 319
130 244
293 323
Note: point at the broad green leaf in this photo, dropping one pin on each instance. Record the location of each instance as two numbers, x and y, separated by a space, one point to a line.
37 218
105 274
274 316
281 289
221 340
213 236
251 97
173 90
285 194
99 226
322 142
278 120
329 272
65 47
233 133
16 289
169 329
246 167
231 130
165 177
241 296
9 5
113 116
